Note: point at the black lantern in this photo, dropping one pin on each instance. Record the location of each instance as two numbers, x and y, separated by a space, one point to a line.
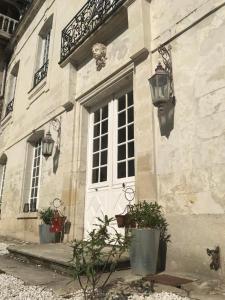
47 145
160 86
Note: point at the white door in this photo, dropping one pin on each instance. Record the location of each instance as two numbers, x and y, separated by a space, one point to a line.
111 165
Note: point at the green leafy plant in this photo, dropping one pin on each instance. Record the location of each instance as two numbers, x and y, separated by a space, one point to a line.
96 255
46 215
150 215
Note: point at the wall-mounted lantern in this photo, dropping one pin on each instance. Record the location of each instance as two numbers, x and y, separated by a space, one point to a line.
47 141
47 145
160 87
161 83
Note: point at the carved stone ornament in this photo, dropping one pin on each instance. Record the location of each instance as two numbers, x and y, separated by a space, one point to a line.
99 54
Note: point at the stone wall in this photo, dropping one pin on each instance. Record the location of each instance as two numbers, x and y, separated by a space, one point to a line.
190 163
183 171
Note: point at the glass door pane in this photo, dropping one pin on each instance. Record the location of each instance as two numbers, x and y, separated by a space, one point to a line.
100 145
125 136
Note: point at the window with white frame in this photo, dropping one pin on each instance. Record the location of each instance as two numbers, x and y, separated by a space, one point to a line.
35 176
125 140
32 173
100 145
112 140
11 89
42 61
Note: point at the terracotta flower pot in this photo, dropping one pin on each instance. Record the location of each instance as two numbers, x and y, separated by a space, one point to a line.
120 220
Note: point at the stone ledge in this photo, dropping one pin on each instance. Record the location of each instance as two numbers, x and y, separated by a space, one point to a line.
29 215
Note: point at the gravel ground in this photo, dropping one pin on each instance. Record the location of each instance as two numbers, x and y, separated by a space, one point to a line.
12 288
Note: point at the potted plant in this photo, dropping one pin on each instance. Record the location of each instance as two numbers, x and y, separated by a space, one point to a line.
121 220
151 228
46 216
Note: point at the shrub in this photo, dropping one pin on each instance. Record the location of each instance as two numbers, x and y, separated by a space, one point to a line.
150 215
96 255
46 215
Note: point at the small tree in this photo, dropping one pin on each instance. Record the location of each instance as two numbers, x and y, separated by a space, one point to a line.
98 254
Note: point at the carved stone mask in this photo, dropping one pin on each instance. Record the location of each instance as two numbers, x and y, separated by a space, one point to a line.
99 54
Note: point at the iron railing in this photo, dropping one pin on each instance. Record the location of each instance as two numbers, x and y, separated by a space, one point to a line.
86 21
41 73
9 107
7 24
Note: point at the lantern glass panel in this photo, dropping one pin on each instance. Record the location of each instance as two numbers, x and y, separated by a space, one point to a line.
50 148
160 88
153 87
47 145
44 147
163 84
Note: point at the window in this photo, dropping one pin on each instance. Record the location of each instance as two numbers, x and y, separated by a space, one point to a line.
11 89
112 140
35 176
43 52
125 140
3 161
100 145
32 174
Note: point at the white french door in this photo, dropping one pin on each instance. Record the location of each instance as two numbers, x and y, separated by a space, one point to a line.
111 158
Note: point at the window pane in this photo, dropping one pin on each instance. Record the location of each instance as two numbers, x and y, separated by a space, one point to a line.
131 149
121 103
105 127
97 116
104 142
96 145
104 158
39 150
122 119
130 115
122 152
131 132
105 112
96 130
131 170
121 171
103 174
94 175
96 160
130 99
122 135
34 173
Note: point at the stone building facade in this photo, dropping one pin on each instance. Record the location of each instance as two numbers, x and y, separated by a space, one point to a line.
97 104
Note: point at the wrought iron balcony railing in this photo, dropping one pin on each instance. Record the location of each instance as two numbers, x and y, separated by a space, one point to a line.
87 20
9 107
41 73
7 25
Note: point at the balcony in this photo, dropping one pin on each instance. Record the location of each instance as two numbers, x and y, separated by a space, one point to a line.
40 74
93 15
9 107
7 26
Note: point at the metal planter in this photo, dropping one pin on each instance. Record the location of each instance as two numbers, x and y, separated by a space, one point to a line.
144 251
45 235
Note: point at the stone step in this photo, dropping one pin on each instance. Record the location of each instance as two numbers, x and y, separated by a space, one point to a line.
57 257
